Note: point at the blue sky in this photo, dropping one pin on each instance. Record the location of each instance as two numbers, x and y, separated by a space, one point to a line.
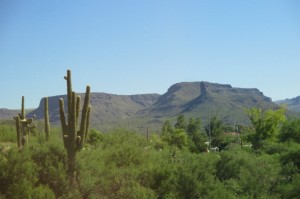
145 46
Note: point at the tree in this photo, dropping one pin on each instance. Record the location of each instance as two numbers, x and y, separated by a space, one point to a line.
214 129
179 138
167 131
196 137
166 127
175 137
290 131
180 124
194 126
266 124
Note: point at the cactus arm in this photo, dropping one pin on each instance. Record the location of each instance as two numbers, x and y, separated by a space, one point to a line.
62 116
72 124
63 121
87 124
23 109
84 116
30 127
47 123
69 92
77 108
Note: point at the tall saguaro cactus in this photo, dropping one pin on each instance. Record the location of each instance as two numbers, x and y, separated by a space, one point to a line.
74 139
46 117
23 126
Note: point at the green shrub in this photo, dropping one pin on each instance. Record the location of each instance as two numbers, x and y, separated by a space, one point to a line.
18 174
290 189
248 175
112 170
291 155
7 133
51 167
94 138
290 131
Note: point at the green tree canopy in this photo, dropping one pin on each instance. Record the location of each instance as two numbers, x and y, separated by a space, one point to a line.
290 131
215 129
196 137
266 124
166 127
180 124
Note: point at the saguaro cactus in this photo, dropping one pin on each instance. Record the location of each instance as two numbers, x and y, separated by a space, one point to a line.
46 117
74 140
23 126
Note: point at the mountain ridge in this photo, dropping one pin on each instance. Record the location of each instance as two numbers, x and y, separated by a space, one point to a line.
203 98
292 104
193 99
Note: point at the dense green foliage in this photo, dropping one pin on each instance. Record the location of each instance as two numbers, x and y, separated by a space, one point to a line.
7 133
265 123
290 131
193 99
214 130
175 164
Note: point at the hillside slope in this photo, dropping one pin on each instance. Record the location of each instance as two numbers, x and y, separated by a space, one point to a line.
292 104
106 108
7 113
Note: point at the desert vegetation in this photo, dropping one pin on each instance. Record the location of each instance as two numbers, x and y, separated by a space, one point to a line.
184 159
175 164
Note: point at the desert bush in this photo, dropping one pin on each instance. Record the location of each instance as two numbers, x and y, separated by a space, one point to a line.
291 155
51 167
112 170
7 133
94 138
290 131
248 174
19 177
290 189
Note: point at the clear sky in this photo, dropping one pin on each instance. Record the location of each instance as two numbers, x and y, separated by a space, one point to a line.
145 46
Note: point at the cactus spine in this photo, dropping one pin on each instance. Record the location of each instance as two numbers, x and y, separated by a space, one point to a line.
47 123
74 140
23 127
